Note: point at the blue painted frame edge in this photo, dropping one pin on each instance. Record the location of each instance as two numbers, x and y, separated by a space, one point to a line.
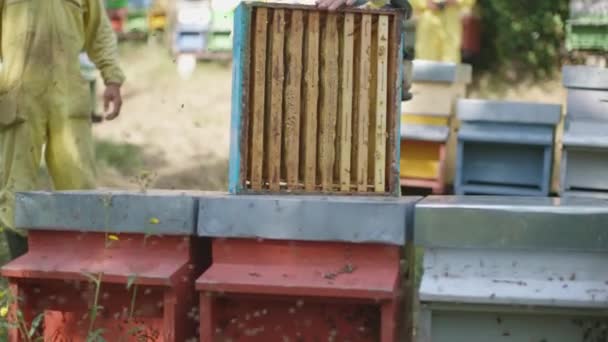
240 51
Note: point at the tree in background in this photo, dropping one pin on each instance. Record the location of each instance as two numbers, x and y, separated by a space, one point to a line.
523 37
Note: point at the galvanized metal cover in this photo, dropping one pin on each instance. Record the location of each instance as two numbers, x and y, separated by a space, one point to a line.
586 134
586 77
506 111
425 132
155 212
505 133
431 71
307 218
575 224
529 278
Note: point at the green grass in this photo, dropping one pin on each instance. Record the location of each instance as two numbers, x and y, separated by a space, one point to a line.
124 157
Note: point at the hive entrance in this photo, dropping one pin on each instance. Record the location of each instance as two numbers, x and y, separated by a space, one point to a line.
322 95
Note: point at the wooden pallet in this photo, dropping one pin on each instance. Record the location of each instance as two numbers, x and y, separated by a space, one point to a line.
316 100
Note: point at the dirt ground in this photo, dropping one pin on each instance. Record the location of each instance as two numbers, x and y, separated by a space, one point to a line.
178 130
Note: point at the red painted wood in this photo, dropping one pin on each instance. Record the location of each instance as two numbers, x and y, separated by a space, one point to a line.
299 291
389 323
272 318
303 269
155 260
51 281
207 318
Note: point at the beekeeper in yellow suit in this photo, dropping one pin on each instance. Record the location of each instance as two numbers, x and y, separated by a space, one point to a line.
44 100
439 28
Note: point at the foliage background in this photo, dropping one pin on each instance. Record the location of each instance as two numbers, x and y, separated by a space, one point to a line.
522 37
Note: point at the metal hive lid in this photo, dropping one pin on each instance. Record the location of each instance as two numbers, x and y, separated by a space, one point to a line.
512 222
153 212
585 77
509 112
384 220
431 71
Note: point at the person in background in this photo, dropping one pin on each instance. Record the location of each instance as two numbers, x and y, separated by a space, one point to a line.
439 29
44 101
333 5
117 12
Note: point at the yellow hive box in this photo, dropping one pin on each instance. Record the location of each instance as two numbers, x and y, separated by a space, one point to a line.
436 88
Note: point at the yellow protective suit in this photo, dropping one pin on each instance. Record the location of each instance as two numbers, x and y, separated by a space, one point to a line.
44 100
439 33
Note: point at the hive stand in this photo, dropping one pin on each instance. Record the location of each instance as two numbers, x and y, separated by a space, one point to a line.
428 129
139 246
305 268
315 100
516 269
585 143
505 148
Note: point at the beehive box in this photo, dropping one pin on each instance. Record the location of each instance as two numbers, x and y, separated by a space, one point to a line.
584 159
428 129
512 269
316 99
505 148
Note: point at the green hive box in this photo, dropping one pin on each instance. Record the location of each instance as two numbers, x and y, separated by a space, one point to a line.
116 4
587 33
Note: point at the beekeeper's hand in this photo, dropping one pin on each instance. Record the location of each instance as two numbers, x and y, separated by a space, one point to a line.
112 97
333 5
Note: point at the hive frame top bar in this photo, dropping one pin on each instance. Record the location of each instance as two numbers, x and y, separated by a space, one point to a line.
512 222
381 220
585 77
509 112
431 71
295 6
152 212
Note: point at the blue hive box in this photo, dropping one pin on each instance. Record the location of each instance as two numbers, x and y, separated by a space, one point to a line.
505 148
517 269
585 152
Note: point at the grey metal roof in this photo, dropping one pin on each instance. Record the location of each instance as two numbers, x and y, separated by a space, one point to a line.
307 218
506 111
425 132
431 71
155 212
586 77
505 133
512 222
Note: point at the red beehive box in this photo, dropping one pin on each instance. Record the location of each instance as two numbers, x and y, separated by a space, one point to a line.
132 256
303 268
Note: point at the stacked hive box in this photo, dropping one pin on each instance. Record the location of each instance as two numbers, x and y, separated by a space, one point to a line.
505 148
516 269
129 258
428 129
585 142
315 110
315 101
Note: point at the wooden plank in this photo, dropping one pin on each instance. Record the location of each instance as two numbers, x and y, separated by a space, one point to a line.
311 93
258 98
363 102
293 99
346 101
277 80
381 104
396 83
238 132
329 100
